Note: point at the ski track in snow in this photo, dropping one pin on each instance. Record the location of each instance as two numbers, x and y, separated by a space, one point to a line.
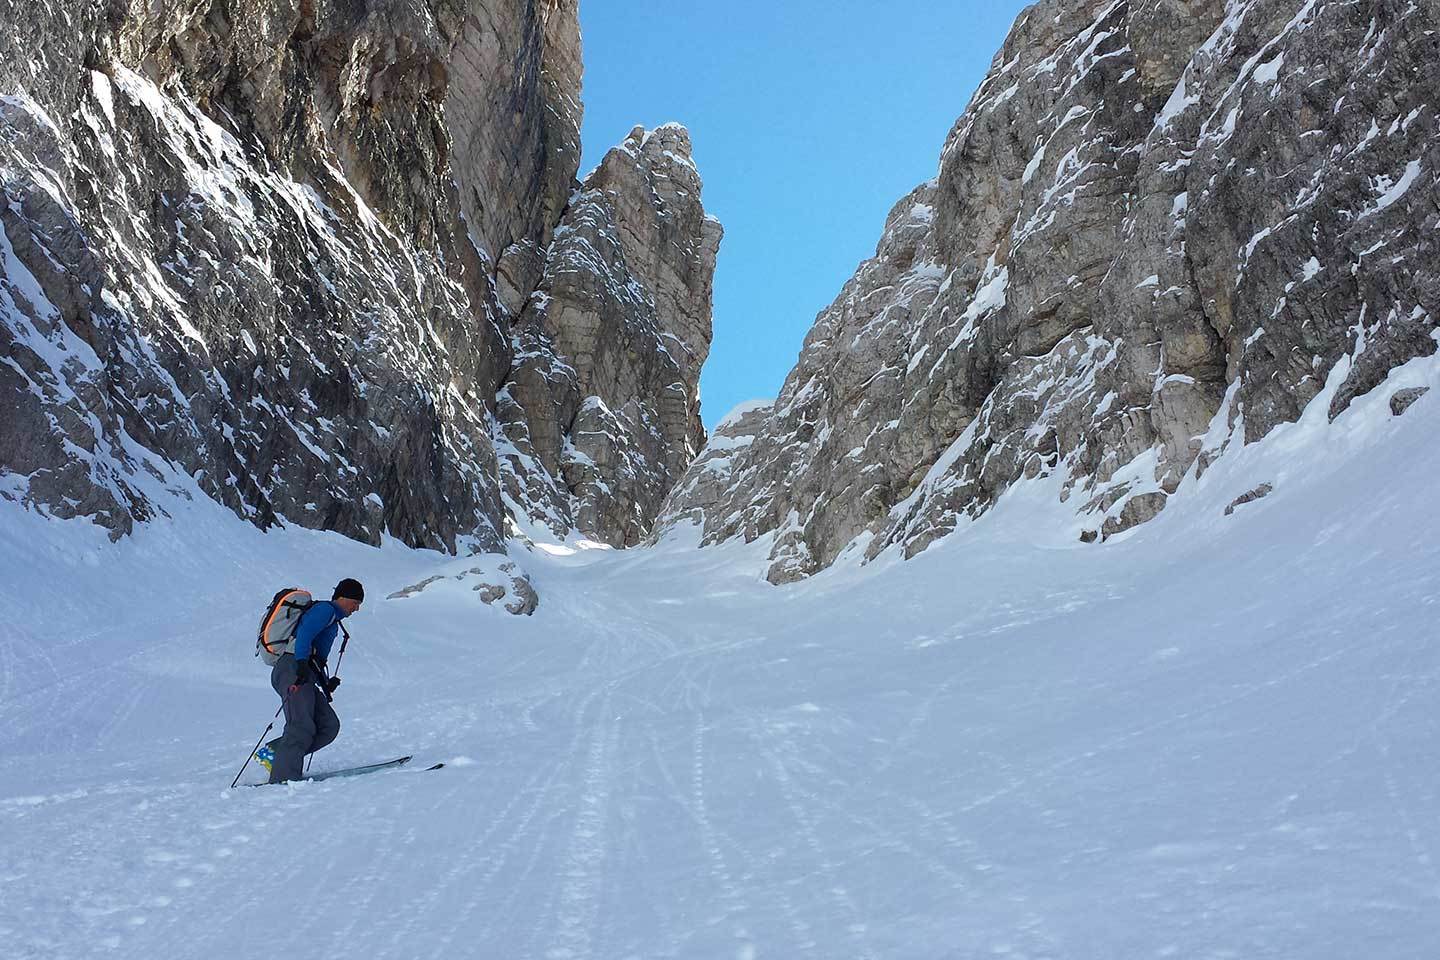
1210 738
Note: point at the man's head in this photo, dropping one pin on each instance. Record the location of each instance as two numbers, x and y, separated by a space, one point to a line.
349 594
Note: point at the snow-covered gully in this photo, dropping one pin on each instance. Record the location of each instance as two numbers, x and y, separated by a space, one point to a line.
1211 737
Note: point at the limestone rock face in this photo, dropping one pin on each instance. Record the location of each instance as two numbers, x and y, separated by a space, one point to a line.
281 253
1249 496
1402 400
1158 229
517 144
706 486
602 409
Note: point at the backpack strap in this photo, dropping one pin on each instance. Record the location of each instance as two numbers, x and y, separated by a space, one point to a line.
304 608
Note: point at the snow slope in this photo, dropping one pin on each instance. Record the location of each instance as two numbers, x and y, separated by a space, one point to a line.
1210 737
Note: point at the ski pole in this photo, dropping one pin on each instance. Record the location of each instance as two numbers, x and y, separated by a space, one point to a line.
343 644
268 727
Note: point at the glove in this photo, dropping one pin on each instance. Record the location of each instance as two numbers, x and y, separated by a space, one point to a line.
331 684
304 673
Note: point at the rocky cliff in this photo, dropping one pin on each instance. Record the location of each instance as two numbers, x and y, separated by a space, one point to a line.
303 255
603 392
1160 228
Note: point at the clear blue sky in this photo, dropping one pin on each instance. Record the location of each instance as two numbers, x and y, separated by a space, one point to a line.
810 119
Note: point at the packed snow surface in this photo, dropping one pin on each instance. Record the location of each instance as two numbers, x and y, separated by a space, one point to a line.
1212 736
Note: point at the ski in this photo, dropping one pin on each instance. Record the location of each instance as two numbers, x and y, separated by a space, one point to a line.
357 771
368 768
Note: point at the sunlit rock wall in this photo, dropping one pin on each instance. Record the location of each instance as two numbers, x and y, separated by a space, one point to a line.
1159 228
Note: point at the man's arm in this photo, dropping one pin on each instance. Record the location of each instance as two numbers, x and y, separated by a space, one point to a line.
312 622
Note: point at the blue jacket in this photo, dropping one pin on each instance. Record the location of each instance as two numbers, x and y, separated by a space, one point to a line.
315 633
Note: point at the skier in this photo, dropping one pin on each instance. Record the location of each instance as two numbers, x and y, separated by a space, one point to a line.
304 686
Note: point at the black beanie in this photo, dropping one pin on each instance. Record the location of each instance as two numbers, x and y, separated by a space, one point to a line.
350 590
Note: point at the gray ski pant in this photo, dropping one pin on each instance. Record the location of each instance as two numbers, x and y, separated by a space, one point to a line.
310 722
